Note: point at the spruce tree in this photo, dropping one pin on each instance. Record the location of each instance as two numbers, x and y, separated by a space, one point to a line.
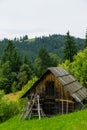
10 54
70 48
43 61
10 66
85 40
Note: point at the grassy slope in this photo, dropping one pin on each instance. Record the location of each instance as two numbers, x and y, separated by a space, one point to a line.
12 96
74 121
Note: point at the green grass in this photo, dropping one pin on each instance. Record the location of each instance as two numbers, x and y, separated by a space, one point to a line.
32 40
73 121
12 96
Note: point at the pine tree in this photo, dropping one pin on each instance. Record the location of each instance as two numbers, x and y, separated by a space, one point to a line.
10 54
70 48
43 61
85 40
10 66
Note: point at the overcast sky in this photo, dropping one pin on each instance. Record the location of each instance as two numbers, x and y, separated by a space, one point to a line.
42 17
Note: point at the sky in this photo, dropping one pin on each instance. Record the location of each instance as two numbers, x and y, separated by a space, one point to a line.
42 17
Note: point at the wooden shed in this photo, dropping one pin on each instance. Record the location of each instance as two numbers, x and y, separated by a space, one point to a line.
59 92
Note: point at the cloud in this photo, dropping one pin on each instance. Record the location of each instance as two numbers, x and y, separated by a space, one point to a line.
42 16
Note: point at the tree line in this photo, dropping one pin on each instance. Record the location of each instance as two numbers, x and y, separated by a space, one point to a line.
52 43
16 70
77 65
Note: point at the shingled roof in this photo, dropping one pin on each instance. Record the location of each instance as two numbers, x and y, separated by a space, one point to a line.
77 91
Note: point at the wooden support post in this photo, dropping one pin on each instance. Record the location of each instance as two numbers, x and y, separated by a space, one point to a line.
62 99
62 106
38 107
67 103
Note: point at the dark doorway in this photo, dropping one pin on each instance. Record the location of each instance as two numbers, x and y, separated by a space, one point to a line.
50 88
49 103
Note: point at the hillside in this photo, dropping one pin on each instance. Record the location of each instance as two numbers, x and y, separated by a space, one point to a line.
29 47
12 96
73 121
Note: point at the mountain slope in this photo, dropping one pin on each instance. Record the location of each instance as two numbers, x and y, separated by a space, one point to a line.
73 121
53 43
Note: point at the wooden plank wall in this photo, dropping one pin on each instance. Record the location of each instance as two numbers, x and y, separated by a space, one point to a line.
62 97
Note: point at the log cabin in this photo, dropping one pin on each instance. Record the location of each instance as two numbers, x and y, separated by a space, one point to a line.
59 92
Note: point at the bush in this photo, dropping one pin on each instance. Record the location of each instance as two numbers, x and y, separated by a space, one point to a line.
1 94
8 109
28 86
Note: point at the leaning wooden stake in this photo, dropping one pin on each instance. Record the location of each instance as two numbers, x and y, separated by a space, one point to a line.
33 104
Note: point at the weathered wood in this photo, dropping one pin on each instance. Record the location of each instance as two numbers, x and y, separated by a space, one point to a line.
53 96
33 106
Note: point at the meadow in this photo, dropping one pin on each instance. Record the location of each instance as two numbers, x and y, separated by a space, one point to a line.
73 121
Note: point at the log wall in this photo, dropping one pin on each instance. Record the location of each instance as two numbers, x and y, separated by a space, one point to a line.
61 102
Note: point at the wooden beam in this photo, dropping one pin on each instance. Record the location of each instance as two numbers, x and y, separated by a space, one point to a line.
64 100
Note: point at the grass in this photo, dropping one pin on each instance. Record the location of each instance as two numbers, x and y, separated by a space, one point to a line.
12 96
32 40
73 121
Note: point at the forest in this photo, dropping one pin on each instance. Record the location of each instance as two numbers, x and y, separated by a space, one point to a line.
24 60
29 47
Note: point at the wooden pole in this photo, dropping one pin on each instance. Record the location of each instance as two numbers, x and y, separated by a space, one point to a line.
67 103
62 98
38 107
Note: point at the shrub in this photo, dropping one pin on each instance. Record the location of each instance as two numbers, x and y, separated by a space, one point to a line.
8 109
1 94
28 86
22 105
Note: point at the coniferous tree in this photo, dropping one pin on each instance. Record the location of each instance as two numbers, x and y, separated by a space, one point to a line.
70 48
10 54
25 60
85 40
43 61
10 65
24 75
